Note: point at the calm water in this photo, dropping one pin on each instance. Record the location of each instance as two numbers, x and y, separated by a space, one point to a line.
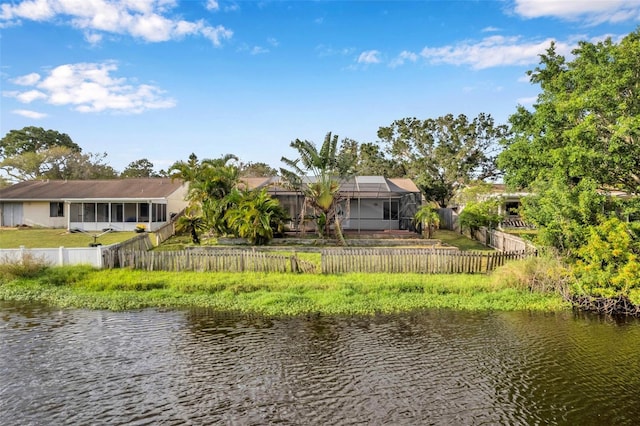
199 367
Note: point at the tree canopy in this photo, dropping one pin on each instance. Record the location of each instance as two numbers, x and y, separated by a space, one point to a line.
35 153
34 139
586 121
445 153
142 168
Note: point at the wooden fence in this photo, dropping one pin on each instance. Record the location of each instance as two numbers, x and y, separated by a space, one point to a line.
501 240
168 230
111 253
213 261
427 261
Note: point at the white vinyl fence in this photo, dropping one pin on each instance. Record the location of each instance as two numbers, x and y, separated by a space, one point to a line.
55 256
98 257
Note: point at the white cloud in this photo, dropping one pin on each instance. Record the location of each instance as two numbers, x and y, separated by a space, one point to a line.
35 10
493 51
404 56
369 57
273 41
29 114
324 51
93 38
145 19
592 11
27 80
257 50
30 96
490 29
212 5
91 87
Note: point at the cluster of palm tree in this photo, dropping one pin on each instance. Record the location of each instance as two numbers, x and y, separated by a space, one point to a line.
219 206
318 174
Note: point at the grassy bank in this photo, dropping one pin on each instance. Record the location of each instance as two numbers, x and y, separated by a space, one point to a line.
270 294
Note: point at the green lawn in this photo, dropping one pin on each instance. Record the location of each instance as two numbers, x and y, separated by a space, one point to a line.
455 239
48 238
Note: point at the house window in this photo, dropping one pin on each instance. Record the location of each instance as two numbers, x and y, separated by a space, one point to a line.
56 209
159 212
390 210
143 212
130 213
512 208
75 212
117 212
102 212
88 212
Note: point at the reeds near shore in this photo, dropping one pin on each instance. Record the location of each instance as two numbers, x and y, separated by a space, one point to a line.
272 293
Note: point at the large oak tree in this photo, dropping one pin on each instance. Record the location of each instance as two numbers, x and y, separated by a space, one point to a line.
446 153
585 123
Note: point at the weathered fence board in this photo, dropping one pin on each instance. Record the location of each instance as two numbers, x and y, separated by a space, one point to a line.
212 261
427 261
111 253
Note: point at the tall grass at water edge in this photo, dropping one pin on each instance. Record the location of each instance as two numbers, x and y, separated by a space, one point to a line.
272 293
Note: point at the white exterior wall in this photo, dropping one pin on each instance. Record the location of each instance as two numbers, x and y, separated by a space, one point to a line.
36 213
367 214
176 201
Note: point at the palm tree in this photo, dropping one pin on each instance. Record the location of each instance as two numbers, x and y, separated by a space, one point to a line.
193 223
210 181
256 216
428 218
318 175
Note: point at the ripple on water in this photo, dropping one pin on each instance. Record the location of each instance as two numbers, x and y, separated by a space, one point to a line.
199 367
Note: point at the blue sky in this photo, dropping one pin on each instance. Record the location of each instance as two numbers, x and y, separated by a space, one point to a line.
160 79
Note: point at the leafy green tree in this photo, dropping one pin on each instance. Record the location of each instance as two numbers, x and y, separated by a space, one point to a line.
477 214
608 263
368 159
444 154
257 169
318 174
563 213
57 163
428 219
256 216
35 153
34 139
142 168
586 121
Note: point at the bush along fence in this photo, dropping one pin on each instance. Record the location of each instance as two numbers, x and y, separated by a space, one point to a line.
213 261
426 261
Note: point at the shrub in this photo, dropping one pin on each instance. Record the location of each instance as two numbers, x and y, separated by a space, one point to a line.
29 266
64 275
544 274
608 264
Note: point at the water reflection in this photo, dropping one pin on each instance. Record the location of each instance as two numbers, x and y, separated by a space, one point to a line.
203 367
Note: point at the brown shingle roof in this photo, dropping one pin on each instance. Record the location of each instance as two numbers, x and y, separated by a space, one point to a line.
91 189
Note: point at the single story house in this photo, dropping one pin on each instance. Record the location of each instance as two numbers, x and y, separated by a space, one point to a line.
92 205
368 203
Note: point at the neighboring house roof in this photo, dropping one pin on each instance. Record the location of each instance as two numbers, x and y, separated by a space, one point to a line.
43 190
361 185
